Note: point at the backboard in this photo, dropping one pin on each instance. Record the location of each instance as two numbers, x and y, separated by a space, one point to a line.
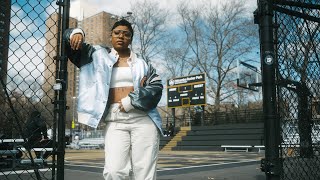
248 76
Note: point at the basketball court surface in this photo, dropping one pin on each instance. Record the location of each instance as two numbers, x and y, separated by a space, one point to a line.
175 165
172 165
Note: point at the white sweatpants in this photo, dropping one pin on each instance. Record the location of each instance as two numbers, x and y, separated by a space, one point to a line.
141 136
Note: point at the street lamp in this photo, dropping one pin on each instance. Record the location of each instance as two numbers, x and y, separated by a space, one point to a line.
129 14
73 108
73 115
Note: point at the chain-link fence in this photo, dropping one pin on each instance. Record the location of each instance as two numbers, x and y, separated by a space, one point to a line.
30 108
297 40
290 39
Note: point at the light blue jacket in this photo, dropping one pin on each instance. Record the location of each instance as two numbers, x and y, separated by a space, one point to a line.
96 64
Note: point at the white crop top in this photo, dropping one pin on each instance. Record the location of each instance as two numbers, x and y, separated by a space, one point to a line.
121 77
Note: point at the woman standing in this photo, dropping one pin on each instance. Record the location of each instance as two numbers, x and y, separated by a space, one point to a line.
122 89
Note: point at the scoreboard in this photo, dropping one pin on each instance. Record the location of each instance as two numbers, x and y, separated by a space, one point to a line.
186 91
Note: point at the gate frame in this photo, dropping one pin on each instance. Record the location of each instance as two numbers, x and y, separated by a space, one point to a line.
61 81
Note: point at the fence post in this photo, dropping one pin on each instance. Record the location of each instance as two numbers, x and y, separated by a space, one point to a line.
271 123
63 74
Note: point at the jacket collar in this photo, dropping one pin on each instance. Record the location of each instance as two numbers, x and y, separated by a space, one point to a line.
130 60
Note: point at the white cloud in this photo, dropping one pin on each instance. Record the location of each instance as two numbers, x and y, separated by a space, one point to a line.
88 8
84 8
26 57
26 45
92 7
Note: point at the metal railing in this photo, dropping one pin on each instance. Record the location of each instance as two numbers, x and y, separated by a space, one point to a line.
217 117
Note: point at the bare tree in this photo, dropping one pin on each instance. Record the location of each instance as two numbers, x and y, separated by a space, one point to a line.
150 27
208 39
176 58
217 36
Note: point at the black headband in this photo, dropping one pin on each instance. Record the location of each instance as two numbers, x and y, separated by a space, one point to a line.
123 22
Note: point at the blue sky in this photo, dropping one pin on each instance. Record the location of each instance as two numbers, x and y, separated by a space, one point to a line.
27 42
121 7
28 17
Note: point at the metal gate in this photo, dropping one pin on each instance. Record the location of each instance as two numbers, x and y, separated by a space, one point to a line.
290 58
33 71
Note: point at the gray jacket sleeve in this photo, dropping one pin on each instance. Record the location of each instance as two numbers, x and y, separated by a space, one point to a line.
148 96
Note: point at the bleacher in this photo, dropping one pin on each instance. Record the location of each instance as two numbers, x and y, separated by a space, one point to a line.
213 137
164 141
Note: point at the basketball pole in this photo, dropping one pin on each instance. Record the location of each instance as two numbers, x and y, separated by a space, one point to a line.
264 17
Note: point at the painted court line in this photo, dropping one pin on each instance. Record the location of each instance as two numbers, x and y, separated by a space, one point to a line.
77 170
101 167
171 169
80 165
207 165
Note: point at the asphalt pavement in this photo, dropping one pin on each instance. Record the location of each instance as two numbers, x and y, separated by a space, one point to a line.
175 165
172 165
